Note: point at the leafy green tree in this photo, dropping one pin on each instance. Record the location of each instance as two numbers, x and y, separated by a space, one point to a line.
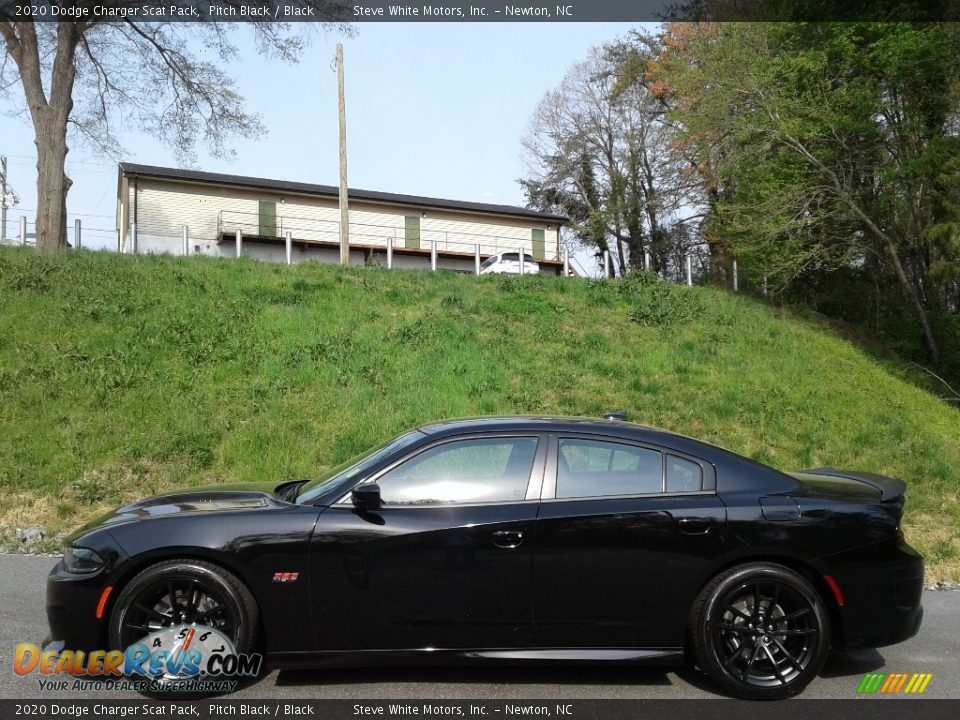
836 146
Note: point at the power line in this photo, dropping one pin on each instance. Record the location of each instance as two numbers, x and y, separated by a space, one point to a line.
33 159
85 170
72 214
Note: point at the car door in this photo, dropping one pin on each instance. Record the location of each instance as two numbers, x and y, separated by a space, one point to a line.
626 536
445 562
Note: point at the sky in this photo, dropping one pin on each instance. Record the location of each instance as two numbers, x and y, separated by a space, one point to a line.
434 109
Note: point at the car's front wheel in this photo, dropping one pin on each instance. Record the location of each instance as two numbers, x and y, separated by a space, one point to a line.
183 604
760 631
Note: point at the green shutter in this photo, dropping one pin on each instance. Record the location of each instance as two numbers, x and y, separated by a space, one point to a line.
539 239
268 218
411 232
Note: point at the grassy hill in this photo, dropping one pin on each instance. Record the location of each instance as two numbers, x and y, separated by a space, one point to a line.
123 376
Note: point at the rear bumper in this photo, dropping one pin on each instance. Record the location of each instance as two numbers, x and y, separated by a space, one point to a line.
882 588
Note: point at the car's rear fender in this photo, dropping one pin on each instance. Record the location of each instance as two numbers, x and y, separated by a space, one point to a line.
879 587
808 570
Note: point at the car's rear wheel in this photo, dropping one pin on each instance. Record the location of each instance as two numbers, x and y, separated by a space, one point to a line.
184 592
760 631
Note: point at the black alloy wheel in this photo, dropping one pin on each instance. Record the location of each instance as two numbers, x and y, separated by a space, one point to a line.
760 631
184 592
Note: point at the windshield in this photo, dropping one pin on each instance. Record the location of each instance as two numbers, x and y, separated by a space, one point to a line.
354 467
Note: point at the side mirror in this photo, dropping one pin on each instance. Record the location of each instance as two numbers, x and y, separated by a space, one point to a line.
366 496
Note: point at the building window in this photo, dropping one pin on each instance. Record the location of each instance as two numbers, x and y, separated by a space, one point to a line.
411 232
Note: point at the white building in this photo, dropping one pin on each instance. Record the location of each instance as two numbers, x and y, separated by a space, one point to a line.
154 203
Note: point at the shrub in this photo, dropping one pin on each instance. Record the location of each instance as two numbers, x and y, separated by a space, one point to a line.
662 303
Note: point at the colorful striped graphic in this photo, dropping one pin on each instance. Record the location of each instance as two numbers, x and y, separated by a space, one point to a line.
894 683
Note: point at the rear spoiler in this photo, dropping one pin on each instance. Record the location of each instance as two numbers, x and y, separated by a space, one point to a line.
890 489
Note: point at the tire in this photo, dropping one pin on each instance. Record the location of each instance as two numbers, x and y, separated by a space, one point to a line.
758 665
204 594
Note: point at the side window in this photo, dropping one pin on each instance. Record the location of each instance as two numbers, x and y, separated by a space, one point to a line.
591 468
511 257
683 475
463 471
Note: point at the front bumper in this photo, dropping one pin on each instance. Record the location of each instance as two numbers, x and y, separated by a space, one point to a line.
71 610
882 586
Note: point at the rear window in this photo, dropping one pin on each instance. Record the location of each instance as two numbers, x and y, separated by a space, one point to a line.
683 475
594 468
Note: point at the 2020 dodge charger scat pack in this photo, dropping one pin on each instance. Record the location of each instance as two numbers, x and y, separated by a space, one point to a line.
513 540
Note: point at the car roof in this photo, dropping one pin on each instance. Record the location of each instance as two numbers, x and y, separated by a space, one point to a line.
742 472
543 423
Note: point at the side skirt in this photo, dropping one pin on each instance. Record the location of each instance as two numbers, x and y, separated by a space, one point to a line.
477 656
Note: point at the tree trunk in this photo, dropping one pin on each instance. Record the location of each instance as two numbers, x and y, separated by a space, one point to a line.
911 292
913 297
620 254
50 110
52 182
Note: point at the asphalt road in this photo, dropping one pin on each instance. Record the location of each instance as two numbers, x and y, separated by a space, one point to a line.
935 650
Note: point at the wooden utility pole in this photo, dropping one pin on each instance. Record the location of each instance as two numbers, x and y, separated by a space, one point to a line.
3 198
344 206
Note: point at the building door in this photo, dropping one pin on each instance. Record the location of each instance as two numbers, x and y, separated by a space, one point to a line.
268 218
411 232
539 244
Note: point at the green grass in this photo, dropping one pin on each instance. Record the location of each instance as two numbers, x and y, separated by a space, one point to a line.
122 376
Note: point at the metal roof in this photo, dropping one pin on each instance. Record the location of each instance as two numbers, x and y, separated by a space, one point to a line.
197 176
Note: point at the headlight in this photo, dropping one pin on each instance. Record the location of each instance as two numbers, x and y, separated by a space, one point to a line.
81 560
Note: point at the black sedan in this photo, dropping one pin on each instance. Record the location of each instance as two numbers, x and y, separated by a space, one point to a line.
512 540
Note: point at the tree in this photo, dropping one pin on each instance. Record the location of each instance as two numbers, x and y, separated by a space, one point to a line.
596 150
84 77
831 143
697 155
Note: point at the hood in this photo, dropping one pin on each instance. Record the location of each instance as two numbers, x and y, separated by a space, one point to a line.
211 498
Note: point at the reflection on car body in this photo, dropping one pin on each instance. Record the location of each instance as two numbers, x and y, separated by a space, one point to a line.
515 539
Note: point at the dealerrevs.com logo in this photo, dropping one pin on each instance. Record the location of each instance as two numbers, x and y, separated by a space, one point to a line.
900 683
182 658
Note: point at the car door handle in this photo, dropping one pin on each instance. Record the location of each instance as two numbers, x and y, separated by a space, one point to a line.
694 526
507 539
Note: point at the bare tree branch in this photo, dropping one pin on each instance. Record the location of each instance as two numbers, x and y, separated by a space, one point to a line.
92 77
